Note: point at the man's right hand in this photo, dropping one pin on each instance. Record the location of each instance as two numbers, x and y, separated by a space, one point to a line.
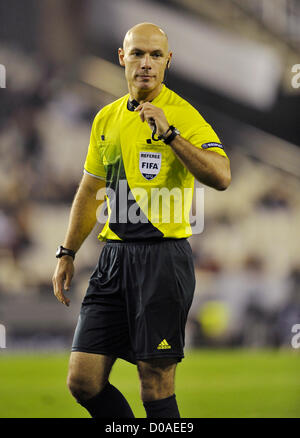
62 277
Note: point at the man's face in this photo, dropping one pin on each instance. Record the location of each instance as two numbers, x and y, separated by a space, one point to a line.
145 56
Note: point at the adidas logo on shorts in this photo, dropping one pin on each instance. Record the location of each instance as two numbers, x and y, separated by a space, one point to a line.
163 345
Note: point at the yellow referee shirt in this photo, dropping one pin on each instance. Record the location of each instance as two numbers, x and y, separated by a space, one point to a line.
148 190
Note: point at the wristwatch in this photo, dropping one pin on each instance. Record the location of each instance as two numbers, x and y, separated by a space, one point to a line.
61 251
168 138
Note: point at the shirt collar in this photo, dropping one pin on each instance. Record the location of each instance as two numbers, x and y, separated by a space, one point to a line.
132 104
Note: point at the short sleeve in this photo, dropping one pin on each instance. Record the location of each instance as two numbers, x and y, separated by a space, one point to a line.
94 163
198 132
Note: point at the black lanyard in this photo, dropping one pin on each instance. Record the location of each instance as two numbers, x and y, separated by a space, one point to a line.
132 105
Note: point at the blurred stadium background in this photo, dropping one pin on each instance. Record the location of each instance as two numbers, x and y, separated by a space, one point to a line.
233 60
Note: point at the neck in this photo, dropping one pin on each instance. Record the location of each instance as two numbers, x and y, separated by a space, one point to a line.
144 95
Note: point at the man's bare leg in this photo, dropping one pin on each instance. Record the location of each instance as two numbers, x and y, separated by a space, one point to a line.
88 383
157 378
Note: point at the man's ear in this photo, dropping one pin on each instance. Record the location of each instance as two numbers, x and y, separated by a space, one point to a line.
169 60
121 57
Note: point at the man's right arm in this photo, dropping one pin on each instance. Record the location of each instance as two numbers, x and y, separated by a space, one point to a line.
81 222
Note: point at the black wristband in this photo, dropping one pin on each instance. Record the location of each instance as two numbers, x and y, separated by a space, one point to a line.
61 251
173 134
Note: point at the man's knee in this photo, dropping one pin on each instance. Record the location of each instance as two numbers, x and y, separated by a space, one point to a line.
82 387
88 374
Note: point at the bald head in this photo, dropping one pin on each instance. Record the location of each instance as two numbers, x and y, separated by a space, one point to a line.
146 31
145 55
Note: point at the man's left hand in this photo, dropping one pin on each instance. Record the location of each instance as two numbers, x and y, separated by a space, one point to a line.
151 112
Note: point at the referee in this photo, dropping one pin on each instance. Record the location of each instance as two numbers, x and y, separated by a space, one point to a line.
139 295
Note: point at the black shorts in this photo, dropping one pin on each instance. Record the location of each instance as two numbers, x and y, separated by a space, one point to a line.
137 301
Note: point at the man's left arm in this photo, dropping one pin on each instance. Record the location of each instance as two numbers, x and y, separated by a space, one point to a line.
208 167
